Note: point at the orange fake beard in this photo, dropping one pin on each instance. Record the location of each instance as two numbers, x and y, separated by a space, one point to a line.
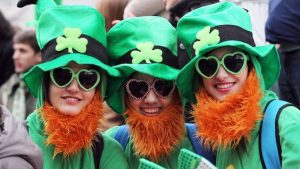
69 134
156 137
225 123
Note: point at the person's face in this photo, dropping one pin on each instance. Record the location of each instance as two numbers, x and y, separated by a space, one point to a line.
70 100
170 3
153 102
223 82
24 57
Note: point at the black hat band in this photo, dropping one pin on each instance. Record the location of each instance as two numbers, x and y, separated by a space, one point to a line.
168 57
93 49
232 32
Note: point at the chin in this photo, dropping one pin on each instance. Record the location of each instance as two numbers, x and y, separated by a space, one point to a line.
70 112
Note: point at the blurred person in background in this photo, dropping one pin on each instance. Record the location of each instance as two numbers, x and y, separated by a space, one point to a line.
13 93
16 148
282 28
6 49
112 10
178 8
136 8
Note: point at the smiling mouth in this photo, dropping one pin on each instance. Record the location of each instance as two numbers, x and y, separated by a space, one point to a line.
224 85
69 99
151 111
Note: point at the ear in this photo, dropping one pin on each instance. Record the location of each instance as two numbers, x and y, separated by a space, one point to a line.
38 57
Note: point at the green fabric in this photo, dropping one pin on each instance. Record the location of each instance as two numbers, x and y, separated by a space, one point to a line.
246 156
54 20
130 35
125 35
223 13
112 156
64 25
170 162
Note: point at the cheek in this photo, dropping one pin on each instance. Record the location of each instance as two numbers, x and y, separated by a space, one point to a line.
134 103
53 94
89 96
243 75
207 83
167 101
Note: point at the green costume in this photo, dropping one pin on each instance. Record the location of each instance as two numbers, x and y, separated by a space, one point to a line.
70 34
146 45
112 156
170 162
226 24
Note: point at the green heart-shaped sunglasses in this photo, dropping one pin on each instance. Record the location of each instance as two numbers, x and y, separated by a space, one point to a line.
63 76
232 62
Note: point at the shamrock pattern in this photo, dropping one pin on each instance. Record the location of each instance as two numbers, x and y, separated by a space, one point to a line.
146 53
205 37
71 41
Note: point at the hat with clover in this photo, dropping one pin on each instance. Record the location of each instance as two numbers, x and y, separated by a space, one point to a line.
65 34
219 25
146 45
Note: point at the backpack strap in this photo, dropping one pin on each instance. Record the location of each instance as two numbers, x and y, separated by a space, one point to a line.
122 136
198 148
98 145
269 142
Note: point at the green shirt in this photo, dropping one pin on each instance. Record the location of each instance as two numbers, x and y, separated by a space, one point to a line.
246 156
169 162
112 156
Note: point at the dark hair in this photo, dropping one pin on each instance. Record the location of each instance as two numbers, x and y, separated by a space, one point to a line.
46 86
186 6
6 30
1 120
27 37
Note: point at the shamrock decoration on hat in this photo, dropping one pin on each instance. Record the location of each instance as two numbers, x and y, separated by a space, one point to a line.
71 41
146 53
205 37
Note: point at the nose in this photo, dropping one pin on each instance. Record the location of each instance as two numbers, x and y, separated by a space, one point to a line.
222 73
15 55
73 87
151 97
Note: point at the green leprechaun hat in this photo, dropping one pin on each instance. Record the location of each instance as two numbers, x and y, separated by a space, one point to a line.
219 25
146 45
65 34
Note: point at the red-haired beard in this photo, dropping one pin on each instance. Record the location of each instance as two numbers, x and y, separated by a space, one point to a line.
225 123
69 134
156 137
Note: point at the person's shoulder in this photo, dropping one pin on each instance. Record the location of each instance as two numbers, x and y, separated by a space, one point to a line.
290 114
112 131
289 132
16 145
113 155
8 85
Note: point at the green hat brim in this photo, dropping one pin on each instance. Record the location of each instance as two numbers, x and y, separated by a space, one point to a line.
116 89
34 77
265 60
